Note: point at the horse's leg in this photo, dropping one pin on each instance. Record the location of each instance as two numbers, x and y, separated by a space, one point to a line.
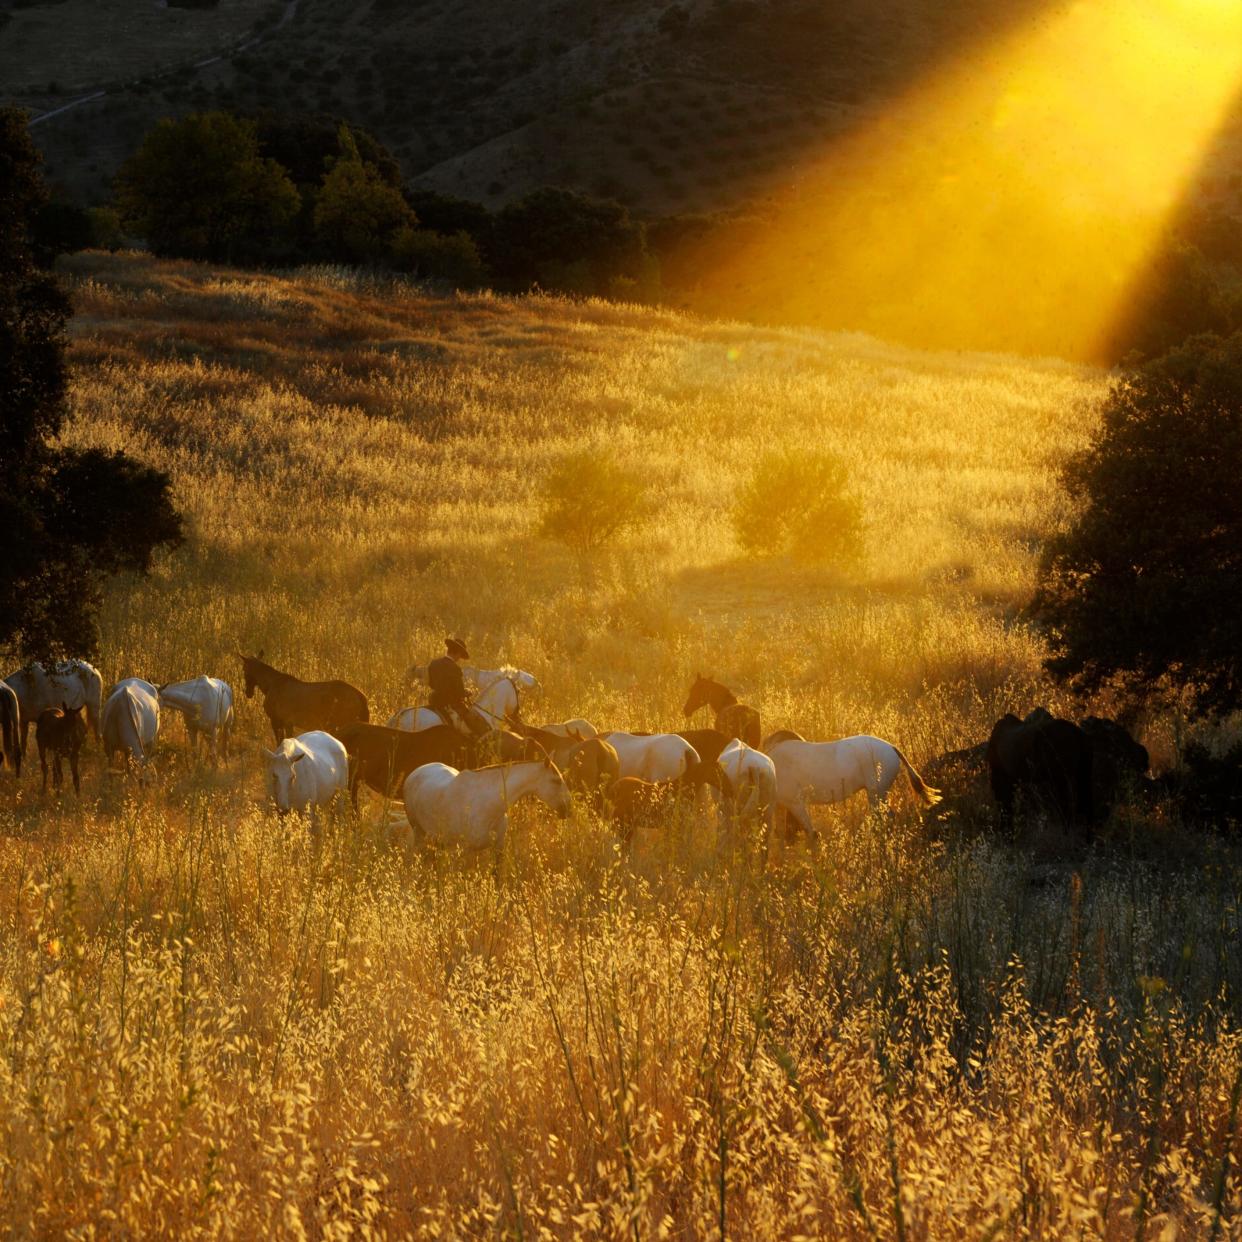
800 818
277 728
43 765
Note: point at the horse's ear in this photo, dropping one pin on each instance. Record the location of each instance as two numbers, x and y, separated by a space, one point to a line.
298 758
260 655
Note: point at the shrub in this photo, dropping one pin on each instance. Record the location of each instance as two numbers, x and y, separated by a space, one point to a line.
589 500
451 257
564 240
798 503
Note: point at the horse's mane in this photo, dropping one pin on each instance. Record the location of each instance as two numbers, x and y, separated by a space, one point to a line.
510 763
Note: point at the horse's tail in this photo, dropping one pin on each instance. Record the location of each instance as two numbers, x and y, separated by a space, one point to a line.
132 707
921 788
92 692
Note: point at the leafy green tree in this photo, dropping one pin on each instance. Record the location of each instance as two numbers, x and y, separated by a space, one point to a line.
71 517
589 500
358 214
1144 583
798 503
198 188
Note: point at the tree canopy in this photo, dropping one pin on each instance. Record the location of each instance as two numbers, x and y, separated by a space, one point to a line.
198 188
1144 583
71 516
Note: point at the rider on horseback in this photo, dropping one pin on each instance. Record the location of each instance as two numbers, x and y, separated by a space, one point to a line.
448 688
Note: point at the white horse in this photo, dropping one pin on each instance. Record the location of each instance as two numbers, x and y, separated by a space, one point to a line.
130 722
750 782
206 704
495 704
485 677
472 808
70 683
576 728
307 772
653 756
819 773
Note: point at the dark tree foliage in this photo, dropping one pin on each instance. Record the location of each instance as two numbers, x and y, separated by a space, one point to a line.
306 146
69 517
198 188
560 239
1180 296
1145 583
444 213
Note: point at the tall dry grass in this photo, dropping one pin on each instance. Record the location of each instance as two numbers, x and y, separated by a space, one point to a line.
213 1026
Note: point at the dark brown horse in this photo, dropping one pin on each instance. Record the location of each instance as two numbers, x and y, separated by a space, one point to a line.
733 719
294 705
708 742
589 764
635 803
382 758
62 731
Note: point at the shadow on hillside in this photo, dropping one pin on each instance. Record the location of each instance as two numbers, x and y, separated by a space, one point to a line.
778 586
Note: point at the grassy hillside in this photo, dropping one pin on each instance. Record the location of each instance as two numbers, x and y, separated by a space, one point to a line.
398 441
685 104
213 1027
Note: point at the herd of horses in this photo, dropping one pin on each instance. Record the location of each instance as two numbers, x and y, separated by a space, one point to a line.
457 784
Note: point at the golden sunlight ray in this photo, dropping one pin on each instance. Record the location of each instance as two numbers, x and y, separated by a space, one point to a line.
1011 200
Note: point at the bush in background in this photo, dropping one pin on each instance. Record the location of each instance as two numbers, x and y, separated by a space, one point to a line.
449 257
199 189
358 214
799 504
589 500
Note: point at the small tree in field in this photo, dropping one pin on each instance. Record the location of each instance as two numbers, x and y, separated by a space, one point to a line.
1146 581
798 503
589 500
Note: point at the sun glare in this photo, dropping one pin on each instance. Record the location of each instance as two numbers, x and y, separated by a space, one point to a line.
1009 201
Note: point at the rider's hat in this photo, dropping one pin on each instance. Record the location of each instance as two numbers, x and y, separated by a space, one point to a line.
457 649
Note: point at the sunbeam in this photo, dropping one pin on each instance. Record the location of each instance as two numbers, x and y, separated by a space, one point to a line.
1010 201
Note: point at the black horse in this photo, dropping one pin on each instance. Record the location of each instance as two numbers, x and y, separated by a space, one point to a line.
1050 759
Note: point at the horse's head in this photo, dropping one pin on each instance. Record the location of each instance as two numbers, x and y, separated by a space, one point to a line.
281 776
698 695
552 789
250 665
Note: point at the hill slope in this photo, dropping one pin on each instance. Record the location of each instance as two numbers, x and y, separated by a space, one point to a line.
398 440
688 104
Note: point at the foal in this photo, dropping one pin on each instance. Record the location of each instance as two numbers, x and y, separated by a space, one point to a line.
61 730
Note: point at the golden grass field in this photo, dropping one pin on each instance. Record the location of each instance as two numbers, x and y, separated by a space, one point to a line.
211 1027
